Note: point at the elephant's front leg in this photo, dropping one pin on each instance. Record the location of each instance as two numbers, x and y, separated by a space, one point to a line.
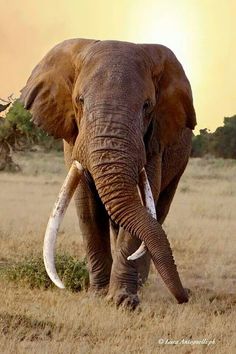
94 226
126 275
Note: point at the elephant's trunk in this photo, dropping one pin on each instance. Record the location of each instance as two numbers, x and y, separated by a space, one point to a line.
114 163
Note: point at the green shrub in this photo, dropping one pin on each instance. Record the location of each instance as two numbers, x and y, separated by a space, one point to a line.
17 133
221 143
31 271
20 133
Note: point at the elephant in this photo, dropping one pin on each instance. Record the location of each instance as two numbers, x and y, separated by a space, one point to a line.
125 113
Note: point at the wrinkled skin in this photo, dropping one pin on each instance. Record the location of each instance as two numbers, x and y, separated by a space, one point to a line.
119 107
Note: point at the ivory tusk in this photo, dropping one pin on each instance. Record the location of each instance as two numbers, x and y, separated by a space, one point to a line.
148 201
67 190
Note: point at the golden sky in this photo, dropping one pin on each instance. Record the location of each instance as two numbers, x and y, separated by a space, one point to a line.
202 33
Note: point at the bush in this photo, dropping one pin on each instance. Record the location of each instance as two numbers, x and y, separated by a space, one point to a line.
200 143
32 271
17 132
221 143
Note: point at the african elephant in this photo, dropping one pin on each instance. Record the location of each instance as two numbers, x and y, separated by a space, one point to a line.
125 112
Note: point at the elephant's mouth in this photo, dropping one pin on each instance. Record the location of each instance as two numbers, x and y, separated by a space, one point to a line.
67 190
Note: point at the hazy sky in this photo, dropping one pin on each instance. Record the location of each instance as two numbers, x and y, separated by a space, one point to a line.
202 33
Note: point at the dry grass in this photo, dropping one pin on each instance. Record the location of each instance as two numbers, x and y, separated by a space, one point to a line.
201 227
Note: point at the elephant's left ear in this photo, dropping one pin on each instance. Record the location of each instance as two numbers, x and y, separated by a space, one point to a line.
174 103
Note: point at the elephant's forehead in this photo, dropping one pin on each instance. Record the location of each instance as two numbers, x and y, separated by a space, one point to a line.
116 53
111 46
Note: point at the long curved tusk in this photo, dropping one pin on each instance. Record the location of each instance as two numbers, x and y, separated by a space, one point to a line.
59 209
148 201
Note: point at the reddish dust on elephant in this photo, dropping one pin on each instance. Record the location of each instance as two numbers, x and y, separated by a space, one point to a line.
125 112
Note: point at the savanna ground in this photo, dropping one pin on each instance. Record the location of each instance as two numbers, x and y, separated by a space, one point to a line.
201 228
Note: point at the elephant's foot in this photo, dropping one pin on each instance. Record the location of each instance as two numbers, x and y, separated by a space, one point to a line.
189 292
99 276
123 297
99 285
123 282
99 291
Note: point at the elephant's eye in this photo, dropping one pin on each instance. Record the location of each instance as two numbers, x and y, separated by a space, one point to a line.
81 100
147 106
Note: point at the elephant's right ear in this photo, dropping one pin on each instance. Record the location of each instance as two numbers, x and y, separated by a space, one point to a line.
48 91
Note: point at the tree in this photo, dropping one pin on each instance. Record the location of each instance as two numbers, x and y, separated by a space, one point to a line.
17 132
224 142
221 143
5 137
200 143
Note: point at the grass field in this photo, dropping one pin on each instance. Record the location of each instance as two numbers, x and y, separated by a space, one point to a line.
201 228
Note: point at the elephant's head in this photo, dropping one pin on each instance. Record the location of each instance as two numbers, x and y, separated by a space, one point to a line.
104 98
